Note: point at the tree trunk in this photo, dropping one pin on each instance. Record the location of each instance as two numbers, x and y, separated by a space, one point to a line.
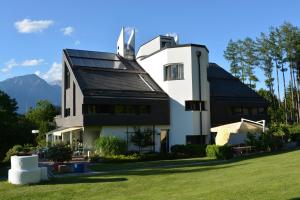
292 92
284 88
297 95
278 90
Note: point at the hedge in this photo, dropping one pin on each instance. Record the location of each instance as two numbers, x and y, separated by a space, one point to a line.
188 150
219 152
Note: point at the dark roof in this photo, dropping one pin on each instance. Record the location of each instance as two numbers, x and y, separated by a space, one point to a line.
223 84
100 74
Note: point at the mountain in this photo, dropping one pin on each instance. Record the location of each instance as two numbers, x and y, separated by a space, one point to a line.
28 89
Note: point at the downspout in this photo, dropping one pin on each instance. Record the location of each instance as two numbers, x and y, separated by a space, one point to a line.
200 96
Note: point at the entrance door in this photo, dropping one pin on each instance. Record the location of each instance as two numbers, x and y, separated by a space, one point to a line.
164 141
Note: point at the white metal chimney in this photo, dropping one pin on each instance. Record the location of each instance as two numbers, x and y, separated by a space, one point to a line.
126 50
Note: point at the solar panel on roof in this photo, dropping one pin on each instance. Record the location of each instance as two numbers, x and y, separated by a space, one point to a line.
97 63
91 54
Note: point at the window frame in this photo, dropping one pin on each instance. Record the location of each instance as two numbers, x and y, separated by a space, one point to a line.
67 77
168 70
201 107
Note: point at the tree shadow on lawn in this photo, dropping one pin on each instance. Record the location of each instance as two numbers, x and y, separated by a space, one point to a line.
172 170
81 179
296 198
263 154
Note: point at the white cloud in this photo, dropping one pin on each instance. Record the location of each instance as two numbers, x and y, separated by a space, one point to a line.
67 30
32 26
9 65
77 42
26 63
38 73
33 62
53 75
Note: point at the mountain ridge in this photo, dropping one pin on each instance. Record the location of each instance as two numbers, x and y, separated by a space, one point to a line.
28 89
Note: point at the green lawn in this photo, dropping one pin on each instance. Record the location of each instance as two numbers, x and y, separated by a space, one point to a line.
265 177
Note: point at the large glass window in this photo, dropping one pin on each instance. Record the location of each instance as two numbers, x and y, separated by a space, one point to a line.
117 109
67 77
173 72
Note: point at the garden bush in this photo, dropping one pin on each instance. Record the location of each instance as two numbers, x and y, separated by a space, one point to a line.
59 153
219 152
188 150
133 157
122 158
153 156
110 146
18 150
95 158
295 133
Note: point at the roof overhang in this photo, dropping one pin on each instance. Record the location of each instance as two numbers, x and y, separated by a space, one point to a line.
61 130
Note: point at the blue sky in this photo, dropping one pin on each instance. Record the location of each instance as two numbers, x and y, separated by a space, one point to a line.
34 32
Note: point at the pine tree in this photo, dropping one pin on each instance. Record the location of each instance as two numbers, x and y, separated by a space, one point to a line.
231 54
250 60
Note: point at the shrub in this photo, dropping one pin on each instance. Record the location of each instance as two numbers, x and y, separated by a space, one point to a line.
59 153
219 152
152 156
95 158
110 145
18 150
122 158
188 150
295 133
142 139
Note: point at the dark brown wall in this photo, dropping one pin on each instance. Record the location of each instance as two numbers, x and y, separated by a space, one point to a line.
160 112
221 110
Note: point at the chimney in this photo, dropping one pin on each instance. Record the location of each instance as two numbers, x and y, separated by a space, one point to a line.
126 50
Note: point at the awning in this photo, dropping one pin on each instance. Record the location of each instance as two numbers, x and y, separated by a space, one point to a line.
60 130
236 133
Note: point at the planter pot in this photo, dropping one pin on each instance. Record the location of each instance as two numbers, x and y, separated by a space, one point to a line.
25 170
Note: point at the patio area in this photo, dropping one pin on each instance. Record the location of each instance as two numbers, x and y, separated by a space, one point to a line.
71 136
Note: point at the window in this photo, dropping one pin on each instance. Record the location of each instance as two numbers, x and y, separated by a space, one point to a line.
254 111
67 112
173 72
117 109
237 111
67 77
245 111
74 99
261 111
195 139
194 105
165 44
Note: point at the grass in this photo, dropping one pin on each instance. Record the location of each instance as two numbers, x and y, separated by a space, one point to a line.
271 176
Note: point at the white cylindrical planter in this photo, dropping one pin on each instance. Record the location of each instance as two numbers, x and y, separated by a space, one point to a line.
24 170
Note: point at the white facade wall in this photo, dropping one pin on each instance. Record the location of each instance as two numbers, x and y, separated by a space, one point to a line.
182 122
149 47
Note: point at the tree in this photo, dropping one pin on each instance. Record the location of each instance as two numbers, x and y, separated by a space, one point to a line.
42 116
8 118
275 112
250 60
275 54
142 139
231 54
266 63
291 39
